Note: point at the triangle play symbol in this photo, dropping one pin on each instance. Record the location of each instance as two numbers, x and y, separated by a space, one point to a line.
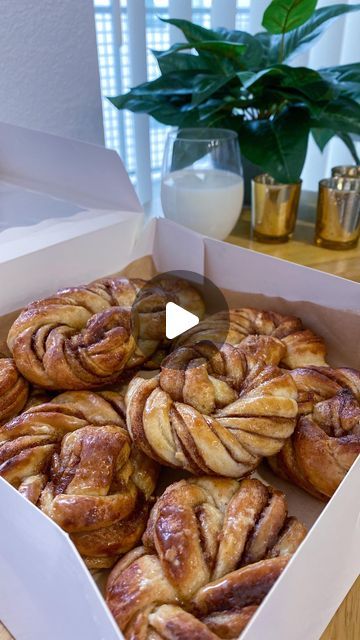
178 320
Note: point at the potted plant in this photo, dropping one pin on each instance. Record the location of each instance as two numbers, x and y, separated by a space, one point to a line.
235 80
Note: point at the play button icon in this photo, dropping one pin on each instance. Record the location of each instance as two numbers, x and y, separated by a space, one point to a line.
178 320
172 309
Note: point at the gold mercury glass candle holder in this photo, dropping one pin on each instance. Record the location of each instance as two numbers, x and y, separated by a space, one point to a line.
274 208
346 171
338 213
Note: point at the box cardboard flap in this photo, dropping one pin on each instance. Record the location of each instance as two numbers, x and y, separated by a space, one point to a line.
318 576
177 248
235 268
37 567
87 174
70 262
18 241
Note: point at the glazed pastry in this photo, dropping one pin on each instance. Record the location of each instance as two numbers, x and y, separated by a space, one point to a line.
212 550
98 491
303 347
84 337
214 411
14 390
73 458
326 441
28 442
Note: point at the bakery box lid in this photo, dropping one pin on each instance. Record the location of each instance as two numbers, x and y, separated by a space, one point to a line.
47 182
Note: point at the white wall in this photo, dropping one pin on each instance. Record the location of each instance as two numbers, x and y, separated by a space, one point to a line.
49 76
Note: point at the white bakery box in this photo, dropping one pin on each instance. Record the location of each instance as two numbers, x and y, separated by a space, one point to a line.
97 229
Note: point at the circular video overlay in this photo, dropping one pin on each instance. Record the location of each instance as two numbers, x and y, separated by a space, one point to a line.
178 309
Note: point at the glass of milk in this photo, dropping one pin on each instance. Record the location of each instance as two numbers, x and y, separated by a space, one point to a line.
202 184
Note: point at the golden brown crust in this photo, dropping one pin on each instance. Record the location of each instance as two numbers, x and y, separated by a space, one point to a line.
302 346
246 587
229 624
76 339
84 337
74 458
326 441
14 390
173 623
80 495
213 547
214 410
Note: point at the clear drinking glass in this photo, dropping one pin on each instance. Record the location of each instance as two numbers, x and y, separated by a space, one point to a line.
202 184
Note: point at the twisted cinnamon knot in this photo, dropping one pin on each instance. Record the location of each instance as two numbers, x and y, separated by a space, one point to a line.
73 457
28 442
212 550
302 346
14 390
214 410
83 338
326 441
99 492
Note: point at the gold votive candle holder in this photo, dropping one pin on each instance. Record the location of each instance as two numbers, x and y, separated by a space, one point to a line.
338 213
346 171
274 208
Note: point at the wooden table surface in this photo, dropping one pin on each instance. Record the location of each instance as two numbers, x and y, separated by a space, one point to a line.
301 249
345 625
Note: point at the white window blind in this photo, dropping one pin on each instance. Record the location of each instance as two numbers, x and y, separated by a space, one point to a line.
117 47
128 29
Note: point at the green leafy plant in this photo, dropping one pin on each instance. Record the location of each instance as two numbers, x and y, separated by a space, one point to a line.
234 80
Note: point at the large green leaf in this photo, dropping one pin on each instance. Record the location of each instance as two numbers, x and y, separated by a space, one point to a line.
345 72
216 112
252 56
348 141
161 110
192 32
174 99
176 83
169 61
269 45
279 145
182 85
301 39
282 16
322 137
196 34
341 115
301 81
230 50
206 86
168 98
345 79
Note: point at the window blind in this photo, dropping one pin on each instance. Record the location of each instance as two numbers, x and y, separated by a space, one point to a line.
126 31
